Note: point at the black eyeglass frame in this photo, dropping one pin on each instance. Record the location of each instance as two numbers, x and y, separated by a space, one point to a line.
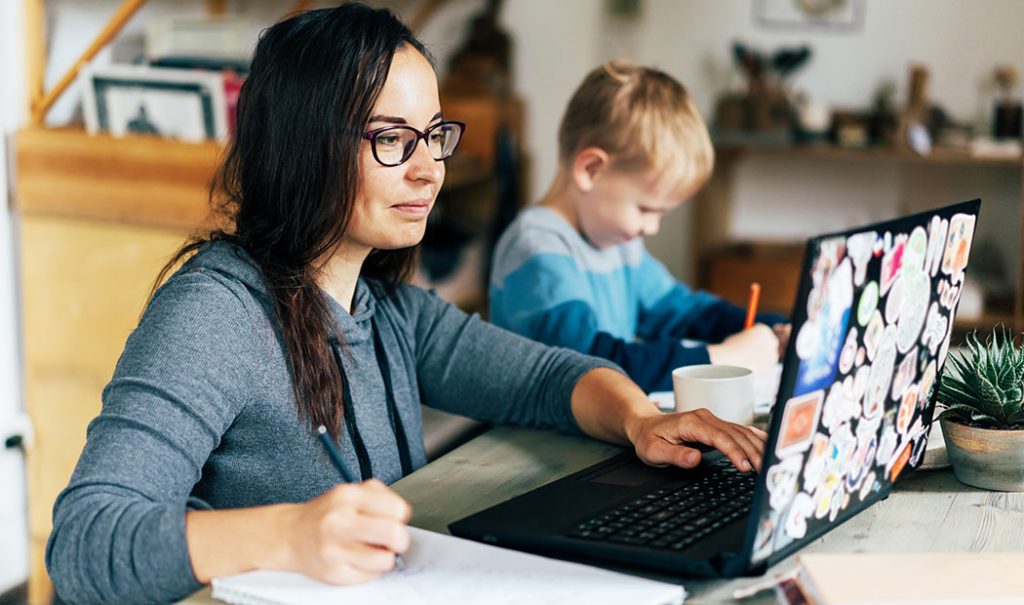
420 136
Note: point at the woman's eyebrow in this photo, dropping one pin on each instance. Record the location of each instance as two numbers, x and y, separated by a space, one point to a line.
397 120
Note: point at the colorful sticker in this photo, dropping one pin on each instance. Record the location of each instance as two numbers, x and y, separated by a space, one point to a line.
860 384
907 409
916 295
799 420
796 516
859 247
781 482
916 250
821 349
900 462
849 353
894 303
958 246
936 243
841 405
823 495
873 334
934 329
904 376
814 469
868 303
892 262
948 294
886 445
862 461
881 374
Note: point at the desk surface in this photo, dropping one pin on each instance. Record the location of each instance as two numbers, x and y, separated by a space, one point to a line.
928 511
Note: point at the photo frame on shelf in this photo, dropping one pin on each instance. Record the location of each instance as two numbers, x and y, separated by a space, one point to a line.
810 15
184 104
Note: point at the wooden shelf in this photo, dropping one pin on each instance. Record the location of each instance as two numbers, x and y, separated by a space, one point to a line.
138 180
939 155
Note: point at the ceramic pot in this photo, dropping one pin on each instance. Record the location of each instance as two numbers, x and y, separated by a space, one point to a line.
985 458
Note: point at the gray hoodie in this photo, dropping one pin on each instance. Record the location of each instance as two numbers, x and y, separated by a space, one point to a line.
200 414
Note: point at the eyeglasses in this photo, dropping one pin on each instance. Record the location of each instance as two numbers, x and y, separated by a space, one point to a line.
393 145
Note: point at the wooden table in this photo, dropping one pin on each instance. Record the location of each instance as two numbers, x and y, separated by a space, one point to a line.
929 510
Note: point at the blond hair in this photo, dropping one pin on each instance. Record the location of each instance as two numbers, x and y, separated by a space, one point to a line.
644 119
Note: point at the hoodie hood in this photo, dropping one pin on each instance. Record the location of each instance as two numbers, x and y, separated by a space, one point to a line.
234 263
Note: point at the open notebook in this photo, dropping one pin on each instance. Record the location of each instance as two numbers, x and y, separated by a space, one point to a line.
442 569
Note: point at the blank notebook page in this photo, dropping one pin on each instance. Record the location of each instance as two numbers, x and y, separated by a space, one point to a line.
446 570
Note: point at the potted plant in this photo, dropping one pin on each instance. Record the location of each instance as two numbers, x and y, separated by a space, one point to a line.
982 393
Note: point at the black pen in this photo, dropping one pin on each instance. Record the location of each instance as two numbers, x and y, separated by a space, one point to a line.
335 457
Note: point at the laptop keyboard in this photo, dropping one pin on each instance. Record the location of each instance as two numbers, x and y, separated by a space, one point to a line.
674 518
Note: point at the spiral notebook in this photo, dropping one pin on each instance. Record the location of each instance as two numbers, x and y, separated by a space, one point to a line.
443 569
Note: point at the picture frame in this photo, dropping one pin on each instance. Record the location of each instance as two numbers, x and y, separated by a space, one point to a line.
845 16
183 104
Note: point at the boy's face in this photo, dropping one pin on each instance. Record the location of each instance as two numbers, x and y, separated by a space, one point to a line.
624 205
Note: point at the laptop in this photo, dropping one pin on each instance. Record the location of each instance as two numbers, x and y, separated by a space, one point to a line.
871 331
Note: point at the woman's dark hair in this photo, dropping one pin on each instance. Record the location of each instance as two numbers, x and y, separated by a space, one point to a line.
290 177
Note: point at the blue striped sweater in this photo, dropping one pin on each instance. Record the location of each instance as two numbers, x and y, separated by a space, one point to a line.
549 284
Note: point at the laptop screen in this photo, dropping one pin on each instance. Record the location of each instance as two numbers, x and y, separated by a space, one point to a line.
871 329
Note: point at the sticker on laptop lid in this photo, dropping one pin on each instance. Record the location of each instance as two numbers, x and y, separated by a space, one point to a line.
958 246
917 290
936 244
867 303
934 329
860 249
881 374
796 516
892 261
799 421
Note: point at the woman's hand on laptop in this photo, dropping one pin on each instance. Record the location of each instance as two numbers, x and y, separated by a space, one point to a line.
608 405
662 440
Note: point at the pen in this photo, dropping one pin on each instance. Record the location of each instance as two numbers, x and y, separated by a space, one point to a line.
755 295
335 457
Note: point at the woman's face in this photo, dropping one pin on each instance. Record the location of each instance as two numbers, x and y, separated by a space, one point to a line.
392 202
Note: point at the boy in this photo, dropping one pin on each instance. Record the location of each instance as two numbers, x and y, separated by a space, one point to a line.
572 270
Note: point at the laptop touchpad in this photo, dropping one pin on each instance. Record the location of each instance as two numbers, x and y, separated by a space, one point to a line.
629 474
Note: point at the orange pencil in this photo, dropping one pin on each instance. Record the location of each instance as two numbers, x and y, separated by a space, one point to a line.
755 295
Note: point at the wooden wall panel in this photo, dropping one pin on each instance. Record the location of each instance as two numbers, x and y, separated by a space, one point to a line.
84 284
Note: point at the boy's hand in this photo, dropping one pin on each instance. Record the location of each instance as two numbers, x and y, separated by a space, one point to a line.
756 348
659 439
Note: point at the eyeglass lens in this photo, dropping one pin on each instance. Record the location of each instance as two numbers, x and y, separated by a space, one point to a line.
396 145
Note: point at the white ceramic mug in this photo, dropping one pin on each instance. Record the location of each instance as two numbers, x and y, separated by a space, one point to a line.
726 391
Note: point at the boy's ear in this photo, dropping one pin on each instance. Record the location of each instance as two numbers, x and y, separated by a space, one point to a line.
588 167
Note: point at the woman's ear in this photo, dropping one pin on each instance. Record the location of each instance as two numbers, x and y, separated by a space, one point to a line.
588 166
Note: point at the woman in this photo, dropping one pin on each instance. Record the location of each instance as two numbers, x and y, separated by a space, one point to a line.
204 460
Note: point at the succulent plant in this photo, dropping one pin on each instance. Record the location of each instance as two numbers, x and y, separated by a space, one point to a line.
983 386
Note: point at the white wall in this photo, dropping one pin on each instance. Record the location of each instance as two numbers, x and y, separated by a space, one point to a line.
13 519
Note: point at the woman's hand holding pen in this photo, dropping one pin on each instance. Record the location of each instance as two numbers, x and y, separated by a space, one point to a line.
349 534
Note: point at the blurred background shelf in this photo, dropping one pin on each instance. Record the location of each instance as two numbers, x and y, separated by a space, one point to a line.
828 151
727 263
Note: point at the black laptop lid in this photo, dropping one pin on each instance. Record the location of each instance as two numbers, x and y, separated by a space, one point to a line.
871 329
